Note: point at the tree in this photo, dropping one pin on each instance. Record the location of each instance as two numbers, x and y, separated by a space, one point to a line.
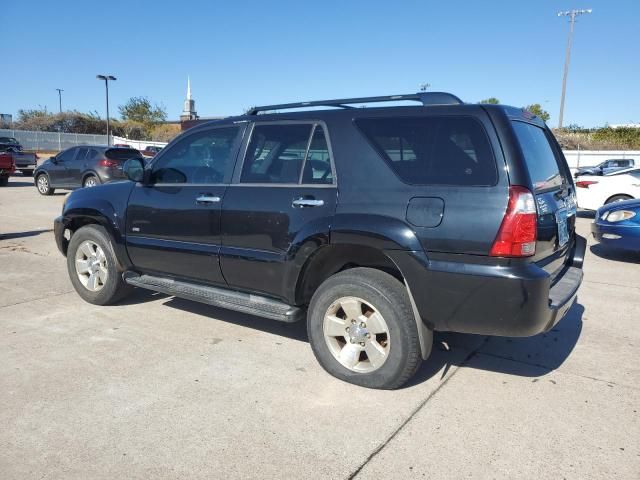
140 109
491 100
538 111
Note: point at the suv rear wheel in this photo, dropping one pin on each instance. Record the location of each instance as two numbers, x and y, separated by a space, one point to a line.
93 268
362 329
618 198
90 181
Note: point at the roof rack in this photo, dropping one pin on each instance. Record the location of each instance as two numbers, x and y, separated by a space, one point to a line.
426 98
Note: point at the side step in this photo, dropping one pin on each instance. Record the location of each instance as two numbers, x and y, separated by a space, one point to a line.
220 297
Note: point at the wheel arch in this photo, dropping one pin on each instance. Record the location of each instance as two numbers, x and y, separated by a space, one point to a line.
334 258
76 218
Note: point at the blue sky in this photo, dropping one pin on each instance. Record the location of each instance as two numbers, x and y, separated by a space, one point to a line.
240 54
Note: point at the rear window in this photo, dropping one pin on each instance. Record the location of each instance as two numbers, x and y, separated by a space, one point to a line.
434 150
538 155
122 153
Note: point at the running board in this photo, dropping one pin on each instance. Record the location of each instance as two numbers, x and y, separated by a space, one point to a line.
219 297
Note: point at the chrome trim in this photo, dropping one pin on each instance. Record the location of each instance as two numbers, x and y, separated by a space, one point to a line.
207 199
307 202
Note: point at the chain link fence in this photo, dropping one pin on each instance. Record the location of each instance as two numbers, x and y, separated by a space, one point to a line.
52 141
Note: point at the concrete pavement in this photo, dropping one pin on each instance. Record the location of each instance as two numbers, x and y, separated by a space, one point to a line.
158 387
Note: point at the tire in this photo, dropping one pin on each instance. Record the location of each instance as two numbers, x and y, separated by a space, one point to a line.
27 173
43 186
101 282
618 198
90 181
374 294
4 181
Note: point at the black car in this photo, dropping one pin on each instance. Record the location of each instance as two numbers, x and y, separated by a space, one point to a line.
377 225
83 166
10 143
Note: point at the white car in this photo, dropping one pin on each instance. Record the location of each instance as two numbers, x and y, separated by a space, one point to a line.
595 191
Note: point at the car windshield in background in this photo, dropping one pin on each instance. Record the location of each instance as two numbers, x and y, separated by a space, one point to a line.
8 140
122 153
538 155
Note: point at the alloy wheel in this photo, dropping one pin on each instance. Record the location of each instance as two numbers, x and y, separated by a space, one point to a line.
91 266
356 334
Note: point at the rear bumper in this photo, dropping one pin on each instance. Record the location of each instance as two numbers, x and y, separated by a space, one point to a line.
516 301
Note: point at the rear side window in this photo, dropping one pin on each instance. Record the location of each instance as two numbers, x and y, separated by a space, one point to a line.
538 155
121 153
434 150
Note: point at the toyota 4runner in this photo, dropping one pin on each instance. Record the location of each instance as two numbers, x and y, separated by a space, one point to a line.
378 225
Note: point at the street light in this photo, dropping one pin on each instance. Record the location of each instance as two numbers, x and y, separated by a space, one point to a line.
60 98
572 14
106 79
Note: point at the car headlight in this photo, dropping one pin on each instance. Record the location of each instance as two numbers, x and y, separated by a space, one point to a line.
618 215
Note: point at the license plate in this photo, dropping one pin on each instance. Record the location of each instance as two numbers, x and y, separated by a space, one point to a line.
563 232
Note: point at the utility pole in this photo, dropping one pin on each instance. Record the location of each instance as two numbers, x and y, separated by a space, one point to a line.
60 98
572 14
106 79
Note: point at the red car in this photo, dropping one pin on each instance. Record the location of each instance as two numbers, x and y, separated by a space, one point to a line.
7 167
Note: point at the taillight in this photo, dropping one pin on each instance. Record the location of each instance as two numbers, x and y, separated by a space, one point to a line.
108 163
585 183
519 229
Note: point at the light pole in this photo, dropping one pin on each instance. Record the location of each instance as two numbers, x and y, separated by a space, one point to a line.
572 14
60 98
106 79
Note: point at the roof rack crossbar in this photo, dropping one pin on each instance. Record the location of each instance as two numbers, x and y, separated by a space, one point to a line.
426 98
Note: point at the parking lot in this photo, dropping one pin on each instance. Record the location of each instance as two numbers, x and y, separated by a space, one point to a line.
162 387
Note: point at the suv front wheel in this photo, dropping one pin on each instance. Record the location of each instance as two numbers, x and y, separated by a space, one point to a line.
362 329
93 267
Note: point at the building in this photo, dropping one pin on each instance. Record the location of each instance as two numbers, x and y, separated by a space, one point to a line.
189 110
189 117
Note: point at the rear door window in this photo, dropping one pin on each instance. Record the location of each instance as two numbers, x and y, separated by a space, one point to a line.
276 154
434 150
539 156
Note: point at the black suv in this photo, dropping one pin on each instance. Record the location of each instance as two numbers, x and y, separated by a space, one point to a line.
379 225
83 166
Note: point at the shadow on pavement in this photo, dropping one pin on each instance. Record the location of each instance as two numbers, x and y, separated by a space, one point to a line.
523 356
13 183
586 214
614 254
30 233
517 356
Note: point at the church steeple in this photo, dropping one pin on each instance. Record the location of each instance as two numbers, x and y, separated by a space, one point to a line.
189 110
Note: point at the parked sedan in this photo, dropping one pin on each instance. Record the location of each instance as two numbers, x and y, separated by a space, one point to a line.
84 166
618 225
594 192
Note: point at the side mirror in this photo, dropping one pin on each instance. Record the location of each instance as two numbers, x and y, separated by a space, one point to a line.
54 160
134 169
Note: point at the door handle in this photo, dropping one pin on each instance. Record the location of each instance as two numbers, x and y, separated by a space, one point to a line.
204 198
307 202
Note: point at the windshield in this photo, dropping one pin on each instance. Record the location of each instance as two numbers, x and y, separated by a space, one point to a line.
8 140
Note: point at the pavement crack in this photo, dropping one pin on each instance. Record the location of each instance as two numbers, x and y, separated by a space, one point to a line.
36 299
612 284
549 369
414 412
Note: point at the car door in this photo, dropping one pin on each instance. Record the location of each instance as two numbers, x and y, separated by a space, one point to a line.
283 195
58 174
173 220
75 167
